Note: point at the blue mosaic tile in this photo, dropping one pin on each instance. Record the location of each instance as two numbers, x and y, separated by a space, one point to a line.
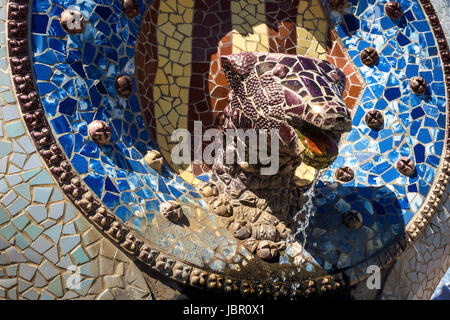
406 38
75 78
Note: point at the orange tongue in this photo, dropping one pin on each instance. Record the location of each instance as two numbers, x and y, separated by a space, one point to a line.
315 146
320 143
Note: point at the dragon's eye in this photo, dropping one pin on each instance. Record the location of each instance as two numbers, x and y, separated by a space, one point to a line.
334 75
280 71
264 67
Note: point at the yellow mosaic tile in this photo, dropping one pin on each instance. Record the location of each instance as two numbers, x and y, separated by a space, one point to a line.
311 18
302 6
249 26
171 89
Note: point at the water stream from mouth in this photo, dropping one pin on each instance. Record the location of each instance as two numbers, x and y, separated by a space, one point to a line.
307 210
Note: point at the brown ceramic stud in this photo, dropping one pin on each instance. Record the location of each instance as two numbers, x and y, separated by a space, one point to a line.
130 8
352 219
221 206
405 166
369 56
374 119
418 85
337 5
345 174
208 189
172 211
124 86
100 132
20 65
17 12
72 21
266 250
154 159
393 10
17 29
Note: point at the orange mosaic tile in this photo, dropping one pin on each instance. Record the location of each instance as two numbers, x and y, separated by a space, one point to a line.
336 55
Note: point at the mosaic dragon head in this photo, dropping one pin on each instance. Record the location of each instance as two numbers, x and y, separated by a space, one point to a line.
302 98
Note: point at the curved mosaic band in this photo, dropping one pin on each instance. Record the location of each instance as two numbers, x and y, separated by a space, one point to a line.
428 209
131 243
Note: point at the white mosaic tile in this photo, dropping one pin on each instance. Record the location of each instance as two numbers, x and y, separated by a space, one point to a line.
42 195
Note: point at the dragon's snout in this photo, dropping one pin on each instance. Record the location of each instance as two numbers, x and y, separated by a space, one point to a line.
318 124
327 115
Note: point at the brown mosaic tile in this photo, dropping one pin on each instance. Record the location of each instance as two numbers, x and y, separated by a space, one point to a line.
211 38
146 57
281 19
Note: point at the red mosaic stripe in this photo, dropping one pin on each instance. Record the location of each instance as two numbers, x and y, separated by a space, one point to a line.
281 20
146 55
211 38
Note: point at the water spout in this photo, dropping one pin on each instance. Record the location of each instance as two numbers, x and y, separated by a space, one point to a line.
307 211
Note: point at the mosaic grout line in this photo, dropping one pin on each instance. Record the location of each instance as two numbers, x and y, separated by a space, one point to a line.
14 129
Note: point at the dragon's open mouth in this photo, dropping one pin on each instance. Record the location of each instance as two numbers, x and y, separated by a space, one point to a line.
320 145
